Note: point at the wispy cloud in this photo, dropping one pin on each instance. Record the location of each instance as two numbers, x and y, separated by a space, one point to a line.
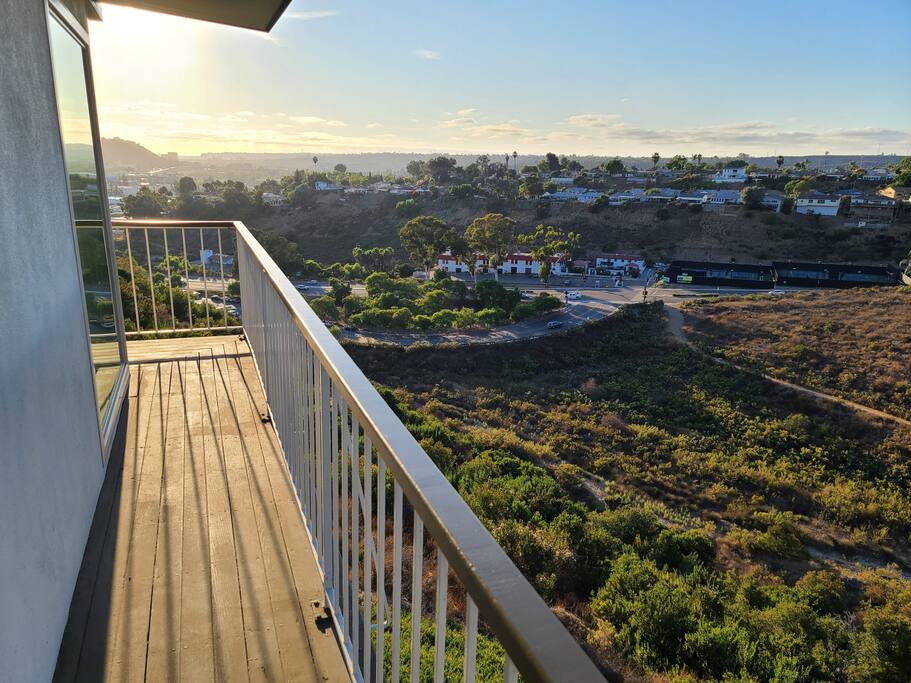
374 124
424 53
317 120
309 16
467 112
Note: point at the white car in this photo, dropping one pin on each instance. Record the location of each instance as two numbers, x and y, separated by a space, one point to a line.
302 288
573 295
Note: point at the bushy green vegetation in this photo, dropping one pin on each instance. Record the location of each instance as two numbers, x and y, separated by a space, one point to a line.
441 303
673 503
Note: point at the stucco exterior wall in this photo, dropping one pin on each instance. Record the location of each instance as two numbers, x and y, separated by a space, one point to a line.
50 450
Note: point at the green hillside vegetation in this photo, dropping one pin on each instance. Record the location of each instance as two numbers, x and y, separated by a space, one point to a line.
440 303
677 514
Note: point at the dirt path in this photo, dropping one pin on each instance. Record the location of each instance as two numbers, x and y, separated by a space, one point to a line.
675 322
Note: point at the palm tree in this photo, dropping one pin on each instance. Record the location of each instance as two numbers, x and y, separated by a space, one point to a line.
515 163
655 158
315 159
779 162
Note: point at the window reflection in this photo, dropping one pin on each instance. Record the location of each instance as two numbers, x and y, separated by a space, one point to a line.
79 155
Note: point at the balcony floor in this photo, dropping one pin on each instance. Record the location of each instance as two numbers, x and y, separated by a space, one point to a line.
198 565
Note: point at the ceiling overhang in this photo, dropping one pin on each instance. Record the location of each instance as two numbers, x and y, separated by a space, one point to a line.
259 15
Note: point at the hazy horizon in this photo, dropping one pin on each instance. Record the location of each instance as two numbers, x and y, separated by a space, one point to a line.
589 79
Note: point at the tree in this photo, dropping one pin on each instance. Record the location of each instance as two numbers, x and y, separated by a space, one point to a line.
531 187
515 163
677 162
441 168
425 238
464 253
655 158
552 161
902 172
796 187
614 167
415 168
546 242
145 204
186 186
779 161
493 235
315 159
752 195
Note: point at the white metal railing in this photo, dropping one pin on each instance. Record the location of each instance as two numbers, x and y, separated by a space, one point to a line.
336 431
157 259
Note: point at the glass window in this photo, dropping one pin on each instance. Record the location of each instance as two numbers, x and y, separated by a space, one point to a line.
88 210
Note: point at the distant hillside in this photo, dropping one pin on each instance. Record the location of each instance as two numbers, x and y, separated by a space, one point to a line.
122 154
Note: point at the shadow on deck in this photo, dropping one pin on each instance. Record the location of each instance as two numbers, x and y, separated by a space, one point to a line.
198 565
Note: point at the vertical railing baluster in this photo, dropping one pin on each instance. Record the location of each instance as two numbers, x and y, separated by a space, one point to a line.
224 287
186 272
396 580
205 280
345 585
471 640
334 496
355 541
368 542
127 232
417 576
510 673
167 262
326 507
439 653
151 279
380 564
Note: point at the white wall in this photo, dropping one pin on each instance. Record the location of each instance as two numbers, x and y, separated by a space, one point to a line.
50 450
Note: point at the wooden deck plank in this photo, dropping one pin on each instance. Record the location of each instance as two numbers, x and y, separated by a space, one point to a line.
162 660
229 641
92 569
132 626
197 654
100 633
263 658
297 547
287 613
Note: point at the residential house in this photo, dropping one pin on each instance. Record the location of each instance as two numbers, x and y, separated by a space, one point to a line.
872 209
773 199
722 197
636 194
212 259
325 186
730 175
694 196
818 203
272 199
661 195
878 175
624 262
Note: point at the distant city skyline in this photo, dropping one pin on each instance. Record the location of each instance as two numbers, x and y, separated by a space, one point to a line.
584 78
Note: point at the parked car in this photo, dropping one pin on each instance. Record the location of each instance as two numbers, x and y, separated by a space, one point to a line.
554 324
302 288
573 295
312 282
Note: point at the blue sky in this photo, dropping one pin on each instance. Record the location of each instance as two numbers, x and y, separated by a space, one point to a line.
797 77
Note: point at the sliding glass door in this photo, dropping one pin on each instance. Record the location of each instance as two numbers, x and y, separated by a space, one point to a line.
90 212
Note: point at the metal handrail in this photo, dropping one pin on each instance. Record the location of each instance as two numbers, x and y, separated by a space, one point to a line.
534 639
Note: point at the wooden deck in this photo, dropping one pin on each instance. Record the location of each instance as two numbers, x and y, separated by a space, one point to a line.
198 566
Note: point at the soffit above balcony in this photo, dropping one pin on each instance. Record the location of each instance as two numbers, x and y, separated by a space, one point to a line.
259 15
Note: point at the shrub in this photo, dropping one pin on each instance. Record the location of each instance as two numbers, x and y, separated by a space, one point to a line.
492 316
325 308
444 318
822 590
